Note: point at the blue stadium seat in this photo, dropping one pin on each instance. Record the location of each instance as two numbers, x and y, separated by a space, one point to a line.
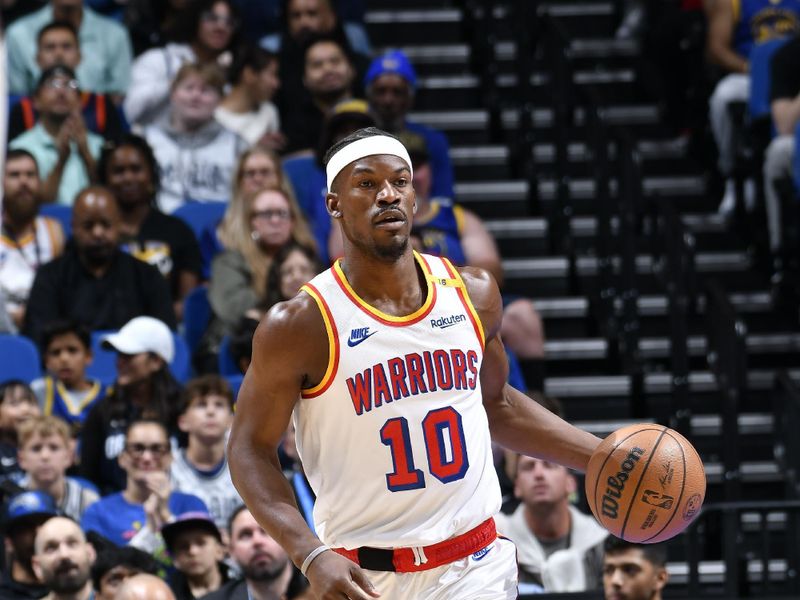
201 215
59 212
104 363
227 365
760 56
196 316
20 359
235 381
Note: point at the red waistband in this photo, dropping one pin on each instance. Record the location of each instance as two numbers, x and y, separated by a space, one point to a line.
409 560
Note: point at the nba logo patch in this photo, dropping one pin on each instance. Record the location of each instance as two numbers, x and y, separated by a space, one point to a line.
481 554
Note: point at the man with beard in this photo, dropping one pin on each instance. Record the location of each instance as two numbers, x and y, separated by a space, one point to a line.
328 78
27 241
25 514
267 572
94 283
64 150
63 560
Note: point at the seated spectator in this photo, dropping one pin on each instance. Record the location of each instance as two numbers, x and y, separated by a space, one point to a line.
57 44
148 501
65 391
63 560
205 35
257 168
247 109
239 275
130 171
390 83
144 587
307 173
305 19
266 569
328 76
144 388
17 405
116 564
196 154
206 415
294 266
106 48
65 151
559 549
94 283
28 240
46 451
634 571
24 514
195 545
733 30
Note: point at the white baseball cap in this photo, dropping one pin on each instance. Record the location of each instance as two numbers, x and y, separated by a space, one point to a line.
142 334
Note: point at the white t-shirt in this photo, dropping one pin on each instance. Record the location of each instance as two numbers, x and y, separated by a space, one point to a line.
251 125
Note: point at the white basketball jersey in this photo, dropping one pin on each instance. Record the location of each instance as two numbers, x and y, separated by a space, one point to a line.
395 440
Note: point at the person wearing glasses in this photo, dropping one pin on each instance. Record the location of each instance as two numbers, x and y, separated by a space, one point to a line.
65 151
207 38
148 501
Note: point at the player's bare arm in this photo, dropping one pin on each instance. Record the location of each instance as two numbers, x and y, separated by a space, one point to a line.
289 354
516 421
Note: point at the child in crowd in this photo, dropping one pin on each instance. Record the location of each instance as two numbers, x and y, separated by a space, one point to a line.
114 565
65 391
17 405
45 454
202 467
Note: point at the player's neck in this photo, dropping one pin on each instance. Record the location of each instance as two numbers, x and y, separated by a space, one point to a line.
205 456
549 525
397 287
270 590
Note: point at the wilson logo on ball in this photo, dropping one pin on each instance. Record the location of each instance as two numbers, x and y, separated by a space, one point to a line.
616 483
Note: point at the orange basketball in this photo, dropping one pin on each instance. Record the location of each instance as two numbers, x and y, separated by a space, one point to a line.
645 483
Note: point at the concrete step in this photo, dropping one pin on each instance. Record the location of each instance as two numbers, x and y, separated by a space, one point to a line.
415 25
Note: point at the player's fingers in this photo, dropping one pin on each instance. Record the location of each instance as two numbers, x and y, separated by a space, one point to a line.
362 584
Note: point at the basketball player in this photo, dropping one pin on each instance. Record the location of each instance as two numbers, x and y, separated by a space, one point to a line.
394 371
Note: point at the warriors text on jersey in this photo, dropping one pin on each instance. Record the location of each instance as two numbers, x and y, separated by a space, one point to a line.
395 439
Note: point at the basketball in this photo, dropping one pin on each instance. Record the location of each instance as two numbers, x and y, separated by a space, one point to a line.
645 483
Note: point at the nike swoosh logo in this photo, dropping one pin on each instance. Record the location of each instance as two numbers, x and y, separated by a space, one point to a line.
354 343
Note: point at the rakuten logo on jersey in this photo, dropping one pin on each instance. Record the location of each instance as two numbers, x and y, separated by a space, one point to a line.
445 322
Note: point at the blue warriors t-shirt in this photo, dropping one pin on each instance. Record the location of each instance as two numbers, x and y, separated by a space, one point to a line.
119 520
759 21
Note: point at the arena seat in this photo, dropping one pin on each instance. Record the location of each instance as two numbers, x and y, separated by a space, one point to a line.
20 359
200 215
196 315
59 212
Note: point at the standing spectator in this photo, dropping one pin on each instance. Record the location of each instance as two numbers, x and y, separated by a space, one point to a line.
25 513
201 468
94 283
391 82
265 566
144 388
130 171
248 109
197 155
634 571
64 150
46 451
328 76
17 405
28 240
63 560
115 564
57 44
65 391
207 35
148 501
195 545
106 63
733 29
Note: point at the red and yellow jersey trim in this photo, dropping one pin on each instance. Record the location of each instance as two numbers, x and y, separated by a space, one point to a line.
379 315
333 344
465 300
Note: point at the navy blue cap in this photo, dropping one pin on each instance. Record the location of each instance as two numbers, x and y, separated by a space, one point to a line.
29 505
189 520
394 62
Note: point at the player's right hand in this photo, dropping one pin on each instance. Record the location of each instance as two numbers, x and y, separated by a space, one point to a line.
334 577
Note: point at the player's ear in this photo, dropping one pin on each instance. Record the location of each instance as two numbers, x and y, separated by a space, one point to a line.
332 204
662 576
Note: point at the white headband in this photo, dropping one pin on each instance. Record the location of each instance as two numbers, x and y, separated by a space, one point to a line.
376 144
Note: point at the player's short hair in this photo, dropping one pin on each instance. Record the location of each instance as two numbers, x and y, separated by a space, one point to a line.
54 329
653 553
43 426
57 26
205 385
360 134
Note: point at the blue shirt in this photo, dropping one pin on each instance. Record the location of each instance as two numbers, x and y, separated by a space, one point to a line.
439 152
105 53
758 21
118 520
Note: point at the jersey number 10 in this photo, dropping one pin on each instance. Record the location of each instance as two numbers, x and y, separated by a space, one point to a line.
438 427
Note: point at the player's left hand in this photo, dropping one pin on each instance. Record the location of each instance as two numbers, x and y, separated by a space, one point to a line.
334 577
